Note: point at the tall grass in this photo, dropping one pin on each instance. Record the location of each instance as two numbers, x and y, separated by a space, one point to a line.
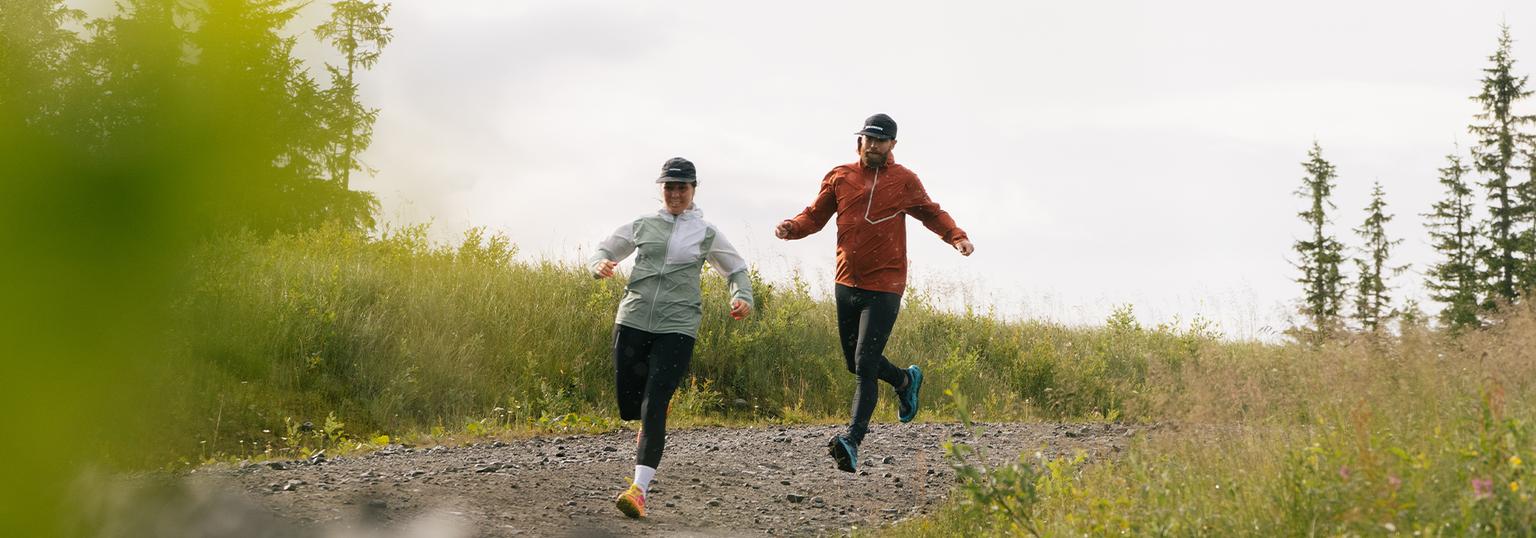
396 335
1424 435
326 338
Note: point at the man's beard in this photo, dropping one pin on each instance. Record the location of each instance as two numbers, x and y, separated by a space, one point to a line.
872 160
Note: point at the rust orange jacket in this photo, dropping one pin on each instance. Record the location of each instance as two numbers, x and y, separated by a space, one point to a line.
871 204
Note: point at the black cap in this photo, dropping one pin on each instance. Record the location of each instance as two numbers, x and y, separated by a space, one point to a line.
678 169
879 126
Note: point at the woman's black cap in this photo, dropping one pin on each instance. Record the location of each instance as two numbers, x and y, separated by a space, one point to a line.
678 169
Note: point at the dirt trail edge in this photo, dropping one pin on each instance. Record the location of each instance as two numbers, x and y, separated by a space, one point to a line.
712 482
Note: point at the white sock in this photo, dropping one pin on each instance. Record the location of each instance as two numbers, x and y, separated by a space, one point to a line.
643 476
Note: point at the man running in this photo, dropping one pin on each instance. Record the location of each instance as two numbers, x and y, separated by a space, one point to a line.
871 197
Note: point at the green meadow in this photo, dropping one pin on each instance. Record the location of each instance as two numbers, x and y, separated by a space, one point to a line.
398 339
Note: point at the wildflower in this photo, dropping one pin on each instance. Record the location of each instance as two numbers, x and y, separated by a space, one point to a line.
1482 488
1344 472
1514 486
1394 481
1514 461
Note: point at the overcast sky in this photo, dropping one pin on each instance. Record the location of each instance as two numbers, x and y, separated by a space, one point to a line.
1098 153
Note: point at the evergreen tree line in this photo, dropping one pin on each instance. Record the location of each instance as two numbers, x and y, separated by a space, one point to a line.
202 102
1486 260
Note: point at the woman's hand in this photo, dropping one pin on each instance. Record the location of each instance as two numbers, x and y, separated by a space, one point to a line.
605 268
740 309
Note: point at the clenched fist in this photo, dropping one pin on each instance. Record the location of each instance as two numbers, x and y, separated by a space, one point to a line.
605 268
740 309
965 247
782 231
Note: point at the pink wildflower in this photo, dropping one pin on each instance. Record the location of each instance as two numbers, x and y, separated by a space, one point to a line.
1344 472
1394 481
1482 488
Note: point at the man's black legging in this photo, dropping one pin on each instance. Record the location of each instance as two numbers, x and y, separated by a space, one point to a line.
647 369
864 322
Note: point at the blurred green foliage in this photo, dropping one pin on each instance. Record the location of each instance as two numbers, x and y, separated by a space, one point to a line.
126 140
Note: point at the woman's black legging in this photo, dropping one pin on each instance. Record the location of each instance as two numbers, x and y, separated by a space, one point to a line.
864 322
647 369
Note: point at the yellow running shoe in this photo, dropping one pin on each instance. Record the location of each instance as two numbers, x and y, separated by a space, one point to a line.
632 502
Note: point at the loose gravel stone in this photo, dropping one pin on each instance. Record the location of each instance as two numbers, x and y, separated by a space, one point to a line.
718 481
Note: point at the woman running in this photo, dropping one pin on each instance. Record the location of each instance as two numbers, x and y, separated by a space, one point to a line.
659 316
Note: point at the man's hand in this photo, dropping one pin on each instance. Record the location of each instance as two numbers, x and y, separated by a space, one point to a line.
965 247
740 309
782 232
605 268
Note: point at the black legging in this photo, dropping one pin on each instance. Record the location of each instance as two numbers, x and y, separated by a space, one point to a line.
647 368
864 321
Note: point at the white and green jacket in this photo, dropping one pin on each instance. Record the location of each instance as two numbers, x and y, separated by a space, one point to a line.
663 293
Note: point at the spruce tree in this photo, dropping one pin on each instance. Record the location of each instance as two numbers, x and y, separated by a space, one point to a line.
1320 255
137 69
356 28
1373 307
1526 195
1455 279
277 158
1499 138
35 61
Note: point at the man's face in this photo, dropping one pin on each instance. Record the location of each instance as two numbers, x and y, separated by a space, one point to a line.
874 152
677 195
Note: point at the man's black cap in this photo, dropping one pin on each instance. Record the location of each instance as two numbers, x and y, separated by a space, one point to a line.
678 169
879 126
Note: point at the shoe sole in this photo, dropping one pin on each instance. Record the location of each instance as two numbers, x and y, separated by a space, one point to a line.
845 461
917 386
630 508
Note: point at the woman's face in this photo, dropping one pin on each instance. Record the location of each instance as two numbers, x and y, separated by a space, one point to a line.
677 196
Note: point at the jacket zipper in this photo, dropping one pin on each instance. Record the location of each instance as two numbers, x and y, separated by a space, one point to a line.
871 204
661 272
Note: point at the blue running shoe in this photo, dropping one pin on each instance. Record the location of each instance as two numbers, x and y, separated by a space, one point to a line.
844 452
906 399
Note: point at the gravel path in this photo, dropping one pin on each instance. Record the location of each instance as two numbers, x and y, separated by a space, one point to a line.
712 482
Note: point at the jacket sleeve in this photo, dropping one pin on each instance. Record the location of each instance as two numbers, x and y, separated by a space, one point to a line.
927 211
615 248
816 215
728 262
